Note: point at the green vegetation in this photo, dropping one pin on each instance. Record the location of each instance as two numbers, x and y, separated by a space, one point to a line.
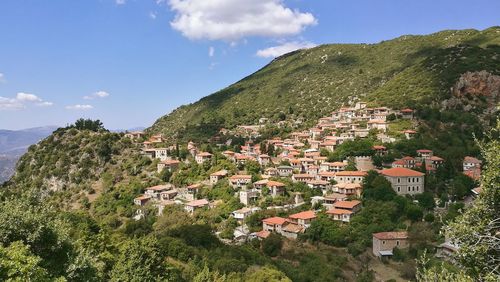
409 71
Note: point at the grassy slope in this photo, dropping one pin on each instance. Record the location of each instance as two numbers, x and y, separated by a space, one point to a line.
311 83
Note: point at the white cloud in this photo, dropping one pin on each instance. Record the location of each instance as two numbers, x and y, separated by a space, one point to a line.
152 15
211 51
120 2
26 97
287 47
45 104
98 94
21 100
232 20
79 107
10 104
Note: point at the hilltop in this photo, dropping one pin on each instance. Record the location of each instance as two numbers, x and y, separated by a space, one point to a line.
406 71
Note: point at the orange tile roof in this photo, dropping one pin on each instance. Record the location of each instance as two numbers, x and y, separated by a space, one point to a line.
158 187
198 203
351 173
303 215
275 183
379 147
424 151
219 173
204 154
346 204
391 235
400 171
338 211
274 220
263 234
240 176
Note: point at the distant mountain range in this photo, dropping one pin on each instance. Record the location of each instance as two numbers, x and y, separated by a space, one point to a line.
14 143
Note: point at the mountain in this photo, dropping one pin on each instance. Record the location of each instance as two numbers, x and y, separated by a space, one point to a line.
14 143
407 71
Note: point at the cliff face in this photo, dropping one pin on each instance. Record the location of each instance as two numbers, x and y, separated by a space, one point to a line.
476 91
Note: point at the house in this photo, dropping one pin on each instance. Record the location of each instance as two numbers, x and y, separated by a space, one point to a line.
377 124
350 176
406 113
271 171
203 157
304 177
339 214
229 155
134 135
142 200
261 235
170 165
216 176
243 213
156 153
348 189
154 192
264 159
291 230
322 185
380 150
192 191
273 224
385 242
470 163
433 163
424 153
327 175
240 180
284 171
330 199
405 162
405 181
168 195
190 207
409 133
303 219
353 206
276 188
248 197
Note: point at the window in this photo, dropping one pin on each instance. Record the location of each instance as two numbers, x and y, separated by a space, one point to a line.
399 180
397 243
399 189
383 242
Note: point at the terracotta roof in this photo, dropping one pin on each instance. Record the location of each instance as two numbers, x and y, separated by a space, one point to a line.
262 182
401 171
142 197
337 164
170 162
410 131
351 173
424 151
204 154
348 185
391 235
346 204
407 110
275 183
292 228
471 160
228 152
318 182
198 203
303 175
335 196
219 173
274 220
303 215
263 234
338 211
194 186
240 176
327 173
379 147
159 187
436 158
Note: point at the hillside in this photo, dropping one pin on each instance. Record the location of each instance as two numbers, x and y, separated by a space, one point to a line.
14 143
406 71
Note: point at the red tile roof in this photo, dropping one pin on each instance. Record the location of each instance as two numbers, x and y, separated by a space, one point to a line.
263 234
198 203
271 183
274 220
352 173
400 171
346 204
303 215
338 211
391 235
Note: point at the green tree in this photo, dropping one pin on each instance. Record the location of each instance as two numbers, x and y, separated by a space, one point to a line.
18 263
272 245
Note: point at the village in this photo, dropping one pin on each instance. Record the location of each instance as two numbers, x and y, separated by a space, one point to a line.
336 186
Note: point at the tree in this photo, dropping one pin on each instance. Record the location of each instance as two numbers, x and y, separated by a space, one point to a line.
88 124
377 187
266 274
426 200
476 230
271 245
140 260
18 263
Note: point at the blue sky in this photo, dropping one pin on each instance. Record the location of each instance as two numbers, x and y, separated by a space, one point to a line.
128 62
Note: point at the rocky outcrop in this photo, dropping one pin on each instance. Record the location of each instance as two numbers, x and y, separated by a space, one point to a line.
475 91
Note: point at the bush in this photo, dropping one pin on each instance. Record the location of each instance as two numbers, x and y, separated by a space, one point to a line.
272 245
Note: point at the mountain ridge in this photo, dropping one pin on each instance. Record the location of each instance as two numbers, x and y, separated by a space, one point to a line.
410 70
